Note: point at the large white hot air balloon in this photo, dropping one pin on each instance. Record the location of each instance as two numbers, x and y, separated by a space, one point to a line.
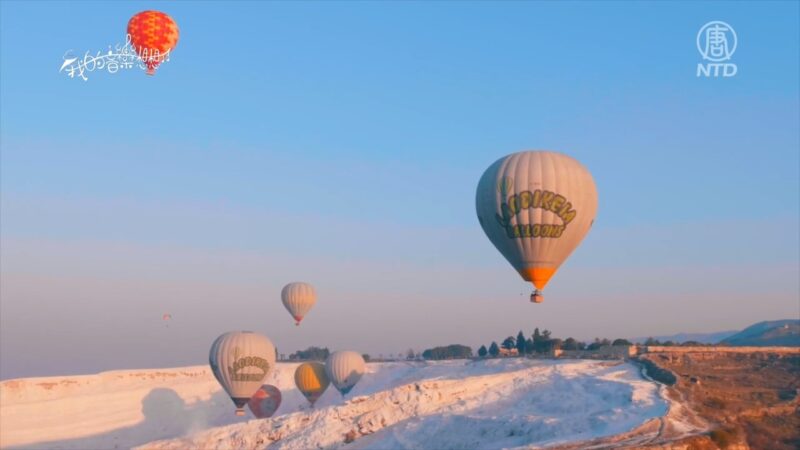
536 207
344 369
298 298
241 361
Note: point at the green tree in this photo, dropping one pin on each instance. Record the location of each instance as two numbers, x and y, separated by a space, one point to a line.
621 342
311 354
540 341
494 350
570 344
454 351
521 347
598 343
529 346
482 351
508 343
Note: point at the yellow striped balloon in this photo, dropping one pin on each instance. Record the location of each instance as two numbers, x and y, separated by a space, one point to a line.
311 380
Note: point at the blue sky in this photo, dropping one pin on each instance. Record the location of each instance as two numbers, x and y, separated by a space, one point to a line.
341 144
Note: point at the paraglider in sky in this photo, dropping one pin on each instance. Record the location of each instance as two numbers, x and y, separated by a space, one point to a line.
344 369
153 35
311 380
298 298
265 401
166 318
240 361
536 207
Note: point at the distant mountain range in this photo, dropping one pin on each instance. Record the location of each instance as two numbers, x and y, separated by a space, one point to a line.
703 338
771 333
762 334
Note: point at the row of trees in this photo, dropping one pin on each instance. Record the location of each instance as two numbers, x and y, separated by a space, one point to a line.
543 342
453 351
538 343
316 354
311 354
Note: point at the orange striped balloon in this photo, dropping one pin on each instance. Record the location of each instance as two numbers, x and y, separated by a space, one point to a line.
153 35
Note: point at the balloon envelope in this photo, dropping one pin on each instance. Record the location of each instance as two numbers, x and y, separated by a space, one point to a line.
311 380
153 34
240 361
536 207
344 369
298 298
265 401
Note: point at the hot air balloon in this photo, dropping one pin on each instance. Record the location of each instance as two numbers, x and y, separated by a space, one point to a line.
344 369
240 361
311 380
265 401
298 298
153 35
536 207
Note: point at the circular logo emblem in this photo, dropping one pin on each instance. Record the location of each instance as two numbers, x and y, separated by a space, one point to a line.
716 41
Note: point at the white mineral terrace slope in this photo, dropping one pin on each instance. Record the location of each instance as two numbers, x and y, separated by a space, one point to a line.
456 404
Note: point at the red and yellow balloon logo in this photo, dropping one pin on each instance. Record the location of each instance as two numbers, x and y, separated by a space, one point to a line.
153 35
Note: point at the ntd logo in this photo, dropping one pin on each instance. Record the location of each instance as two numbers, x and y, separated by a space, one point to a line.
716 42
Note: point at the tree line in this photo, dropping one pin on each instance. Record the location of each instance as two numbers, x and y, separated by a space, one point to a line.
543 342
538 343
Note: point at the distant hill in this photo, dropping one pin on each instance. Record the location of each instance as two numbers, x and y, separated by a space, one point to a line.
770 333
703 338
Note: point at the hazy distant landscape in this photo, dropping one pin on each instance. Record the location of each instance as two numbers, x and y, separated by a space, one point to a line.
767 333
679 395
